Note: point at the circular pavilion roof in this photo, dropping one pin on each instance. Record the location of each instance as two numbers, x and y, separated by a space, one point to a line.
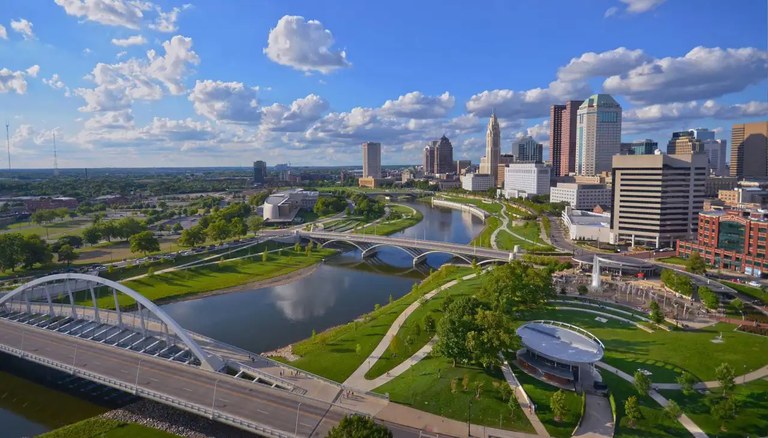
561 342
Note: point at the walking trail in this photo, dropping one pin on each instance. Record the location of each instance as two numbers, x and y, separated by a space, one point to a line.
523 400
683 419
358 381
505 227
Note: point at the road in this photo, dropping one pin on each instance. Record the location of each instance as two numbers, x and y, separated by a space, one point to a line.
239 398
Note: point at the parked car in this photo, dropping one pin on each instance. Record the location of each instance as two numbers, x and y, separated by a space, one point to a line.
754 283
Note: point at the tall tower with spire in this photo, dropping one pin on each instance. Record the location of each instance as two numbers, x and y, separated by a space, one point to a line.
490 165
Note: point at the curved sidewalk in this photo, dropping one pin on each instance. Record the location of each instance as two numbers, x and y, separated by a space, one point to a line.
358 381
684 419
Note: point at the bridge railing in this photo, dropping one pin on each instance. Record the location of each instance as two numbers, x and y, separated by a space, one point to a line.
152 395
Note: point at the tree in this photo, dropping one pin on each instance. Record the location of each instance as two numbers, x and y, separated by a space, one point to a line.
92 234
673 410
517 285
10 250
557 404
238 227
632 410
177 227
144 242
454 328
34 250
737 304
67 254
429 324
656 314
642 382
582 289
192 236
73 241
505 392
218 230
264 255
394 345
696 264
686 382
358 426
708 298
128 226
255 224
726 375
493 333
724 409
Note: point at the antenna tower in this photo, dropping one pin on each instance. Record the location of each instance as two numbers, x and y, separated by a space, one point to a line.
55 158
8 143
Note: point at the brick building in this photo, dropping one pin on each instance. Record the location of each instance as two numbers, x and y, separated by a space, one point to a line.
733 240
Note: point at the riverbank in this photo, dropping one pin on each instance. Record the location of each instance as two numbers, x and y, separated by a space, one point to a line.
222 277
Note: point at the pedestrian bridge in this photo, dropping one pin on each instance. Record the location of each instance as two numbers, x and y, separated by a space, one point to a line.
417 249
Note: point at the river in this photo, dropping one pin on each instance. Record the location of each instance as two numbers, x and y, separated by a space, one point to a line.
336 292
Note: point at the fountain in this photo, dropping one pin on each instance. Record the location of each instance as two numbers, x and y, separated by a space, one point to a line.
596 280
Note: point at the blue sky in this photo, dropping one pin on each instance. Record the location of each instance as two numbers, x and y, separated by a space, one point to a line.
134 83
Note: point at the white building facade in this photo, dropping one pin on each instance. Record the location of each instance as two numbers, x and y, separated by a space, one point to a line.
523 180
598 134
582 196
476 182
585 225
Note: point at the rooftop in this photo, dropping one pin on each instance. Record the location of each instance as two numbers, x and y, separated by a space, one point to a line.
600 100
561 342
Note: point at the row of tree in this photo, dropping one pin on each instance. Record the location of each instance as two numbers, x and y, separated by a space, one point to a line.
46 216
17 250
367 207
234 220
330 204
121 229
679 283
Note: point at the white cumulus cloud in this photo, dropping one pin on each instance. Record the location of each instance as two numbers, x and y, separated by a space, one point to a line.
304 45
166 21
16 80
226 101
125 13
701 74
420 106
294 117
3 33
134 40
23 27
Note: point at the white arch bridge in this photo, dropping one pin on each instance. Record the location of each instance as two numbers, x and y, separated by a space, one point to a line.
418 249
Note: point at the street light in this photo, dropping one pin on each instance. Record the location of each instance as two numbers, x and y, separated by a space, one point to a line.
296 431
213 403
138 367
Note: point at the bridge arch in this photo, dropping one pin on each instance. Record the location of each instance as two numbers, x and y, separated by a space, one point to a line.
461 256
349 242
393 245
207 361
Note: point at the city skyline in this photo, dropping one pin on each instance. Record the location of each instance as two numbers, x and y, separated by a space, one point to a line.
155 86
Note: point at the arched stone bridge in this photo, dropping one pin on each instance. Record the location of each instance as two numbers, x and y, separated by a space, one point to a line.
417 249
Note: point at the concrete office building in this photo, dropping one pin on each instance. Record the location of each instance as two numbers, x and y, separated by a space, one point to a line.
429 157
476 182
582 196
283 207
749 150
444 156
656 198
586 225
562 137
717 183
528 150
504 160
462 166
371 160
598 134
523 180
259 172
639 147
716 155
490 165
684 142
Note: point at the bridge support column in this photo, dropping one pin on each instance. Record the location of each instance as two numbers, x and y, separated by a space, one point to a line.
117 309
141 317
26 301
48 298
95 305
71 299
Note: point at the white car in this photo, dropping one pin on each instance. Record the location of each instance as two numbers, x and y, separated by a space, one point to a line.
754 283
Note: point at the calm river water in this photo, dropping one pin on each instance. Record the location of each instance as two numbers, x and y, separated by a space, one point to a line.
338 291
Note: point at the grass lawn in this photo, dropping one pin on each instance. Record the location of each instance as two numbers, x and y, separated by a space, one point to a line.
104 428
507 241
55 230
516 211
667 354
673 260
654 421
427 386
754 292
484 238
752 410
333 353
410 217
213 277
490 207
413 327
107 252
540 394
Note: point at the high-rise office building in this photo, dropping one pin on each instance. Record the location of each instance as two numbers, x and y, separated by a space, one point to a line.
716 153
429 157
527 149
749 150
259 172
490 165
444 156
684 142
598 134
371 160
656 198
639 147
562 137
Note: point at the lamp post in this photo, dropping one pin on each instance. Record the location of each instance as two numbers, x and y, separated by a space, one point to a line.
469 418
138 367
213 403
74 359
296 430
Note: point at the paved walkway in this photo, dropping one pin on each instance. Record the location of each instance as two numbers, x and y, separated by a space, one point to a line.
757 374
357 379
503 226
523 400
607 315
598 418
683 419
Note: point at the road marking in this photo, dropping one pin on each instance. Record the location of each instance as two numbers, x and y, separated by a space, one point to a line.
223 400
187 389
306 425
262 411
124 371
153 379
